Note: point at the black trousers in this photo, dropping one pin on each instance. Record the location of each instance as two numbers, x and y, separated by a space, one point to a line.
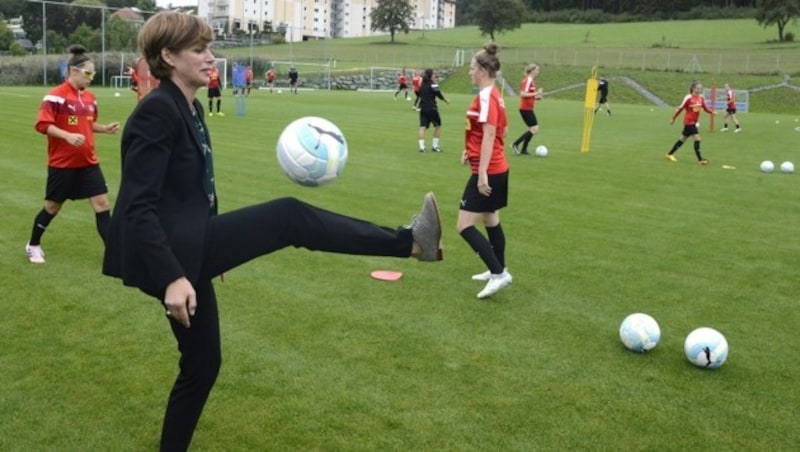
232 239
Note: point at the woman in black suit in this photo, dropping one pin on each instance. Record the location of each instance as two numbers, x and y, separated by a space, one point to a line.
166 237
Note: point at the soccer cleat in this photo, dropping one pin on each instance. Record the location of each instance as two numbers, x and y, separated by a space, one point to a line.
437 149
219 113
724 129
737 130
485 276
422 150
524 152
671 158
702 162
35 253
495 284
515 148
427 230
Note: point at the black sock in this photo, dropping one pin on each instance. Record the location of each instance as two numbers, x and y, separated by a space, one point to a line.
481 245
497 238
210 106
528 138
40 224
697 150
219 103
676 146
102 220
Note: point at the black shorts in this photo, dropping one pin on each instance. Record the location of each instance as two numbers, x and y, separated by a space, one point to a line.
74 183
402 86
428 117
529 118
214 92
690 130
473 201
603 98
731 111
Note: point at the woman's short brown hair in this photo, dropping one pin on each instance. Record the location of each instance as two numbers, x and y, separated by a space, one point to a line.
174 31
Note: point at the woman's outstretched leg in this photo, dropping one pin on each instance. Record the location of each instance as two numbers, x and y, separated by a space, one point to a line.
236 237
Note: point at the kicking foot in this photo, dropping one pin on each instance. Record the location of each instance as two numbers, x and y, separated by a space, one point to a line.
427 230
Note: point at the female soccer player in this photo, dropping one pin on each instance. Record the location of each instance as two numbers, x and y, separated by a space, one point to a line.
68 116
428 110
166 237
692 103
486 191
730 110
528 95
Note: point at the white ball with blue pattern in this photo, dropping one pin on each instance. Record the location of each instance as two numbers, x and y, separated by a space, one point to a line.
639 332
706 347
312 151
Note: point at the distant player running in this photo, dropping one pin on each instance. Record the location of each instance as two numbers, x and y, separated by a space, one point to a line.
730 110
692 103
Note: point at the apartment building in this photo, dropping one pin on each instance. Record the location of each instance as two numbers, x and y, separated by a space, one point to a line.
300 20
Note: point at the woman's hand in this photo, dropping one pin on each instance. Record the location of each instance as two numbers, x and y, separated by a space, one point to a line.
180 301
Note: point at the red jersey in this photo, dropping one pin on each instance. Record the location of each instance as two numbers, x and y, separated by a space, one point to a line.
248 76
528 85
730 98
487 108
75 112
213 78
416 81
403 79
271 75
692 103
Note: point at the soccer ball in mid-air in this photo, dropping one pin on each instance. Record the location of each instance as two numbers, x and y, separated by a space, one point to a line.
312 151
706 347
787 167
541 151
767 166
639 332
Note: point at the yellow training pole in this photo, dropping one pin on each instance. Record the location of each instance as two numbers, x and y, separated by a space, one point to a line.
588 110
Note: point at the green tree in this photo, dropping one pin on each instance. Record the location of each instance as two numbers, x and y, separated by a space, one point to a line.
498 16
777 12
121 35
392 16
6 36
56 42
17 49
87 37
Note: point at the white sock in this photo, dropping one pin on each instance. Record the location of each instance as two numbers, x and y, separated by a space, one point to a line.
421 144
435 143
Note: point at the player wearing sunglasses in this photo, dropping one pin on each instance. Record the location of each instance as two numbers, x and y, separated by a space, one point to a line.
68 116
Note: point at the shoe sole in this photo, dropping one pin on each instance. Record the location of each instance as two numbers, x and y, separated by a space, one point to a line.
439 251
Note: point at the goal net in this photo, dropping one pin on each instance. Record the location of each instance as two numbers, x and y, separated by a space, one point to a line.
309 75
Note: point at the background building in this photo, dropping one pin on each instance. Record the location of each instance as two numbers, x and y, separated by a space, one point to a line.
299 20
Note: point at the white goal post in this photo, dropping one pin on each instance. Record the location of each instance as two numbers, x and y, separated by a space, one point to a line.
312 75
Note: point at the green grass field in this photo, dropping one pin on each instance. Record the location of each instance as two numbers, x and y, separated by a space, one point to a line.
318 356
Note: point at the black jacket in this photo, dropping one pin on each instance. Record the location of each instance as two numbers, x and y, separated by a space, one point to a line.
159 221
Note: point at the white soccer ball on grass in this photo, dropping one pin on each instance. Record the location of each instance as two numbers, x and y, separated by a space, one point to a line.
639 332
706 348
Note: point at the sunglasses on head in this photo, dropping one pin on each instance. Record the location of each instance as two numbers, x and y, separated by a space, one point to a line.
86 72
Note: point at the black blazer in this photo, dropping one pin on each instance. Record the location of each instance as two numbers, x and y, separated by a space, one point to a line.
159 221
